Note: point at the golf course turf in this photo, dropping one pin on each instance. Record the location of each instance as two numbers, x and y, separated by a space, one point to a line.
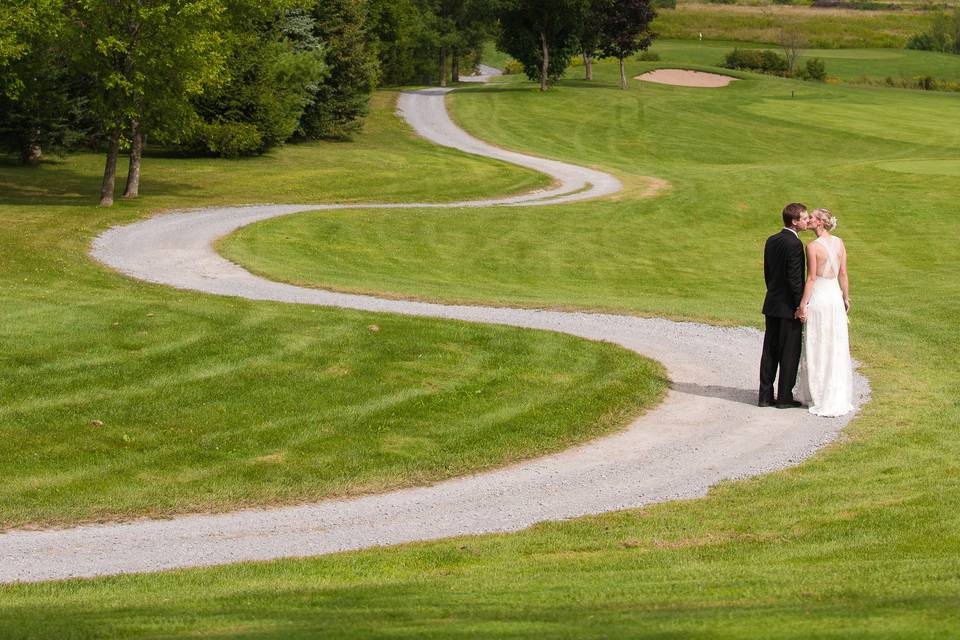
860 541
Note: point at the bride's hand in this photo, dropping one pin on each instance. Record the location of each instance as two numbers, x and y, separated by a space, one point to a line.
846 305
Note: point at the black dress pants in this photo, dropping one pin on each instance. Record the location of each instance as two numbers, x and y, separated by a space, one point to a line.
781 350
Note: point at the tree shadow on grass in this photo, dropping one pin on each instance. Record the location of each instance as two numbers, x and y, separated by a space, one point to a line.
33 186
437 605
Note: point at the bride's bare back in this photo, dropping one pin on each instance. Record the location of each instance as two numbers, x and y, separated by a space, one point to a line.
827 256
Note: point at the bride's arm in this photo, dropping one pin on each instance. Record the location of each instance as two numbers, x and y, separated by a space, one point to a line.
842 276
811 278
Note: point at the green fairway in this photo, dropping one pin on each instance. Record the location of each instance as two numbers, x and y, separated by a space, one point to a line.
845 64
120 398
861 541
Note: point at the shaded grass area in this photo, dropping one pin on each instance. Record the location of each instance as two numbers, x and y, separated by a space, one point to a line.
385 163
821 28
494 57
120 398
845 64
861 541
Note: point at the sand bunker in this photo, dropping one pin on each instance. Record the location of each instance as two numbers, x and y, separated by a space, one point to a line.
685 78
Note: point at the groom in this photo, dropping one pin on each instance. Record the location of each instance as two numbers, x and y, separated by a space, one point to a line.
783 267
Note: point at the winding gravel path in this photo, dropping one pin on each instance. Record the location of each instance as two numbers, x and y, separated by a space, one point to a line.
706 430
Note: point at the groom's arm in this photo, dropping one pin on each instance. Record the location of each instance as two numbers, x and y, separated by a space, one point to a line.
795 272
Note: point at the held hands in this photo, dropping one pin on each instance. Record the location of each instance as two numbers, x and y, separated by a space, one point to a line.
800 314
846 304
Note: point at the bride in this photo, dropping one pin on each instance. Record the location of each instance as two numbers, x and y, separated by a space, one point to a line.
825 382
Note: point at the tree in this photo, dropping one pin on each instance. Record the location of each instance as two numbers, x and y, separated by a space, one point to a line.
463 26
341 101
275 66
145 59
404 41
541 35
41 100
792 41
590 34
625 29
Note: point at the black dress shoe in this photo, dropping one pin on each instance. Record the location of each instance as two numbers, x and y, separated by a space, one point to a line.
765 403
789 404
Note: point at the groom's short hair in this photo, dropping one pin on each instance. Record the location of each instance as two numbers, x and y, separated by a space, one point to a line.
793 212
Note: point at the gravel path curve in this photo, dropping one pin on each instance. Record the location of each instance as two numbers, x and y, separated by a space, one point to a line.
706 430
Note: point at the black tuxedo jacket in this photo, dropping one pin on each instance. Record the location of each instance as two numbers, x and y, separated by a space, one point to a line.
783 269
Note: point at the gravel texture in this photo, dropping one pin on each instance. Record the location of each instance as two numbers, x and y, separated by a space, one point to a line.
686 78
708 428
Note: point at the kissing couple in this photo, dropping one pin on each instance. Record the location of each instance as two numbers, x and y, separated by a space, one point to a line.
806 317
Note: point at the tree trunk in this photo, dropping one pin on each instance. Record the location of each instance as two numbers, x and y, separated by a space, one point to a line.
588 65
443 66
110 170
30 152
623 75
546 62
132 189
455 68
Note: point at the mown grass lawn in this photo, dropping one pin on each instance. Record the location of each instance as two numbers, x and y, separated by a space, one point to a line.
120 398
861 541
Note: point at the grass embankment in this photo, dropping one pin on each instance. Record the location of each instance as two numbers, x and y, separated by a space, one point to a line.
850 65
821 28
210 403
860 541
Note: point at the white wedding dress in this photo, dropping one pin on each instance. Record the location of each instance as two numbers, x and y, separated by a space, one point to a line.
825 381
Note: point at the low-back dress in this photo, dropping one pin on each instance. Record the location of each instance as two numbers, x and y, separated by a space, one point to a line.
825 381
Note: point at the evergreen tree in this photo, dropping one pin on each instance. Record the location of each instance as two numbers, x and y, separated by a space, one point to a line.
41 102
405 42
274 67
342 101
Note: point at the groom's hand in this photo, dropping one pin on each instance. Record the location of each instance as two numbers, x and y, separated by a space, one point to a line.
799 315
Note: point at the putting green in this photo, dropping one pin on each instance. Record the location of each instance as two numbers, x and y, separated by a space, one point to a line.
917 118
950 168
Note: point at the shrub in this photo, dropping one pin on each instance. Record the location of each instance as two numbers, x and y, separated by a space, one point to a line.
772 62
927 83
743 59
512 67
943 34
767 61
665 4
648 56
762 60
229 139
921 42
815 69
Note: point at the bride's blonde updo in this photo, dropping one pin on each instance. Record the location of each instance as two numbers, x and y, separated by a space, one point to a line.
824 215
